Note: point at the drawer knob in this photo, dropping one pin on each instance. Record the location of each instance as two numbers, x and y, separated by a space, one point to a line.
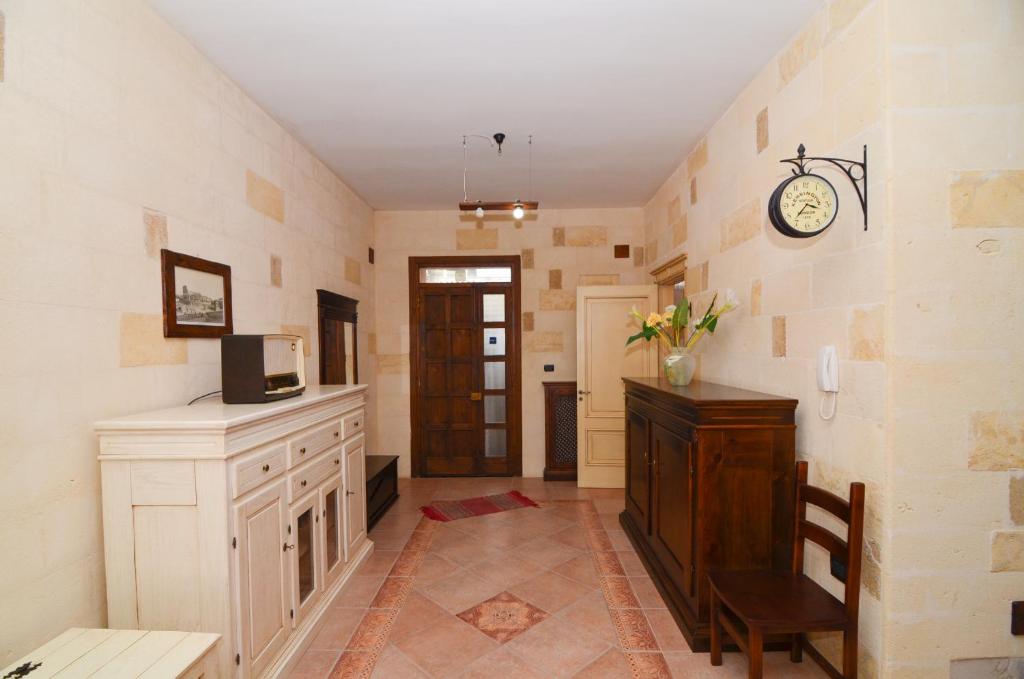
266 467
302 451
303 484
336 434
350 492
337 461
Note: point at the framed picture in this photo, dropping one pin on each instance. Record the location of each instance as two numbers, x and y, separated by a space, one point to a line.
197 296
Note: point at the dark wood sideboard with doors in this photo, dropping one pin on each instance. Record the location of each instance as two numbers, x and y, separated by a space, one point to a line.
709 486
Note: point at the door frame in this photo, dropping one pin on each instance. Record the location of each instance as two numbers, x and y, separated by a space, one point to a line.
513 353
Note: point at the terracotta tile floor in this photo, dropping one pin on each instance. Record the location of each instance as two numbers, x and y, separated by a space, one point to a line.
551 592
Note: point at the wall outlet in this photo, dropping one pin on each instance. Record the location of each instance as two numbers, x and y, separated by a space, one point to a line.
549 367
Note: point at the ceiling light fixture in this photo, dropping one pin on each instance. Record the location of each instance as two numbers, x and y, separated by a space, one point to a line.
481 208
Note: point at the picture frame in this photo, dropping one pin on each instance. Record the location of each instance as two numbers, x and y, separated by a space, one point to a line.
196 296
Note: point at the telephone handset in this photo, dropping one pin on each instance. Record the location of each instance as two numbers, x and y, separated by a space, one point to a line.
828 369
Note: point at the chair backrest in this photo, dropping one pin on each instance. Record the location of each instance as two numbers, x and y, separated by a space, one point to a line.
846 554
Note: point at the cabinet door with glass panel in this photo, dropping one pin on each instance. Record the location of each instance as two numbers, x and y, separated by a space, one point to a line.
304 548
332 528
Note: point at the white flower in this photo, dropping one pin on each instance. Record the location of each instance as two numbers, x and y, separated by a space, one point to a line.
731 300
670 309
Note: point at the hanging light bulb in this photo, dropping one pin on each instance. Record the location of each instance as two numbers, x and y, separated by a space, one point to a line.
518 212
479 213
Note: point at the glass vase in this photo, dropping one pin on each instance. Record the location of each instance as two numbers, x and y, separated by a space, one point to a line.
679 366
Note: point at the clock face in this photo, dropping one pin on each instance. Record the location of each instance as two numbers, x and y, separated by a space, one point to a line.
804 205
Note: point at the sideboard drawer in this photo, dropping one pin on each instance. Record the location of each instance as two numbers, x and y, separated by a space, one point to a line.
253 471
307 478
306 445
353 423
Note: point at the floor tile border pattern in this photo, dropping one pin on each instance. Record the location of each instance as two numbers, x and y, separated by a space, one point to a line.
635 635
363 650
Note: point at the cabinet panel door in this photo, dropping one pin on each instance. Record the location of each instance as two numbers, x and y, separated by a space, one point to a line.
304 550
332 528
355 496
673 511
263 575
638 481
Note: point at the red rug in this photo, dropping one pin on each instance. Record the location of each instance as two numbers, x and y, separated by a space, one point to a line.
450 510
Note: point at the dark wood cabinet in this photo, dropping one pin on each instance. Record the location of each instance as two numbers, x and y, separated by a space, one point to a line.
559 431
709 486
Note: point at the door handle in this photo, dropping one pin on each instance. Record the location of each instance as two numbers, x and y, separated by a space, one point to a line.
582 393
475 396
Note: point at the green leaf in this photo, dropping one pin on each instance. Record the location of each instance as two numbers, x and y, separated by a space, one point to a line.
712 323
633 338
680 317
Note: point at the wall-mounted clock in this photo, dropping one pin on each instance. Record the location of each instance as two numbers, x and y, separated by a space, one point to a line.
806 204
803 205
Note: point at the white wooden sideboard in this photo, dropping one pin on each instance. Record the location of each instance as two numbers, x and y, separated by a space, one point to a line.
242 520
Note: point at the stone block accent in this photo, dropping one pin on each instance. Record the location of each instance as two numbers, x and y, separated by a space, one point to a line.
778 336
800 52
353 271
981 199
555 279
392 364
741 225
143 342
651 251
371 343
2 31
696 279
638 256
527 321
598 279
586 236
526 258
698 158
557 300
842 12
755 298
867 334
264 196
476 239
674 210
762 130
693 191
156 232
679 231
548 342
303 332
275 271
995 440
558 236
1007 551
1017 500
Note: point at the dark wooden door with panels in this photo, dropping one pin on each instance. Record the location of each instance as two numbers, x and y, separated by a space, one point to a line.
464 348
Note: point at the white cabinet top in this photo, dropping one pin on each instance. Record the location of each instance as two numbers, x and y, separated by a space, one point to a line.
213 415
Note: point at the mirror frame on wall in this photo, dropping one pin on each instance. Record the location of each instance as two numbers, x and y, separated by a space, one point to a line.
334 307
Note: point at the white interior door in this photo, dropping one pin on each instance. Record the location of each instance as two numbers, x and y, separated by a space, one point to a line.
603 323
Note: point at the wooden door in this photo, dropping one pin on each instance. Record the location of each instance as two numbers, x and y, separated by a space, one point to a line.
332 529
263 576
355 495
673 507
603 323
464 349
304 551
638 473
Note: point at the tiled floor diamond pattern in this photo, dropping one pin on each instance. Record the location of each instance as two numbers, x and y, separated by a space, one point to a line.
534 593
503 617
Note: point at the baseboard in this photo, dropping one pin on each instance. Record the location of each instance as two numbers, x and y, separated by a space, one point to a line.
299 642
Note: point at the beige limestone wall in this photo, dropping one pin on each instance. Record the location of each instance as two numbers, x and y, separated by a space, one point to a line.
560 250
118 138
824 90
955 560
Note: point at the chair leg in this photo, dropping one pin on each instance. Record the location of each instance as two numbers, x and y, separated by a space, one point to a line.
716 630
796 649
850 654
756 668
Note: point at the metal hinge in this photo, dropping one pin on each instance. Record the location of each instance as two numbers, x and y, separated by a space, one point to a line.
289 529
238 659
234 543
291 613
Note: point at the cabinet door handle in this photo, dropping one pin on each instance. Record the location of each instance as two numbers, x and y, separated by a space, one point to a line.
287 547
302 451
336 434
303 484
337 461
350 492
582 393
266 468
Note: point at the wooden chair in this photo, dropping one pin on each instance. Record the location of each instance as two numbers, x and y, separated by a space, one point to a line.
788 602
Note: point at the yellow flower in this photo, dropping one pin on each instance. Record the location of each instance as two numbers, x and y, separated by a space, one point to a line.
654 319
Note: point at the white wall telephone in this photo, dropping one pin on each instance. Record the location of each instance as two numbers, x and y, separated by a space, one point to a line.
828 378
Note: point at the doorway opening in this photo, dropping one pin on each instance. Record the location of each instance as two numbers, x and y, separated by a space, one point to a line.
464 352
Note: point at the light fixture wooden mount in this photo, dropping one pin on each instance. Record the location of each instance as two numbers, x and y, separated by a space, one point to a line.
498 206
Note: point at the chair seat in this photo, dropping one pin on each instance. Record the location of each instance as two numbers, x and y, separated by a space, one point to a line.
779 601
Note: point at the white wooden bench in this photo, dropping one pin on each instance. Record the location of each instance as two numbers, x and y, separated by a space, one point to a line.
124 654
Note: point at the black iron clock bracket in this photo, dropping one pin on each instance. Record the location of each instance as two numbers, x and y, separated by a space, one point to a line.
860 183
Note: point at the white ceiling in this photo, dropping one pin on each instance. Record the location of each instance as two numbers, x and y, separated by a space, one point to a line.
614 91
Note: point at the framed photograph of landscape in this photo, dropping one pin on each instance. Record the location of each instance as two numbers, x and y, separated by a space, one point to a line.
197 296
